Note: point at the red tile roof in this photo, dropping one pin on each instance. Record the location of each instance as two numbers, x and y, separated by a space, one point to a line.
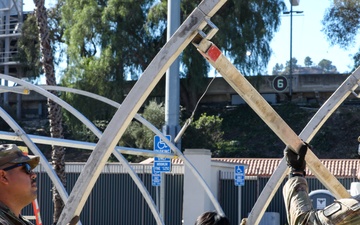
266 166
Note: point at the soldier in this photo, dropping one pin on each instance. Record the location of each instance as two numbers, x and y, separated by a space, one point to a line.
17 184
298 205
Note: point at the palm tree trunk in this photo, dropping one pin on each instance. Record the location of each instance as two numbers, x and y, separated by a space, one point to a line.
55 116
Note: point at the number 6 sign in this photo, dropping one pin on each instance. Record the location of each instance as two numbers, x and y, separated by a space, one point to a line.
280 83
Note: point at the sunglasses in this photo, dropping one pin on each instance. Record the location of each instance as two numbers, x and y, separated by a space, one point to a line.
26 166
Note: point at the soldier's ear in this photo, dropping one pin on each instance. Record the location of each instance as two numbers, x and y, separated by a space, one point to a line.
3 176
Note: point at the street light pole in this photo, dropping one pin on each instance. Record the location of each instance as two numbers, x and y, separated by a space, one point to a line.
290 62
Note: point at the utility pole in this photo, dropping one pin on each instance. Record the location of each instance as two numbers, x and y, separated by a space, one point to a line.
172 93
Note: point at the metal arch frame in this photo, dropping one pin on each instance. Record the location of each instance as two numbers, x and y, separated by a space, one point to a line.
309 131
25 138
117 149
79 144
108 143
182 37
131 105
152 128
258 104
140 83
98 133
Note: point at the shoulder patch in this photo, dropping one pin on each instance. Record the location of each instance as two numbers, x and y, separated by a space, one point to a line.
331 209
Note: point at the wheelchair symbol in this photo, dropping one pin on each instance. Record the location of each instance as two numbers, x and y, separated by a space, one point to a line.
161 145
239 170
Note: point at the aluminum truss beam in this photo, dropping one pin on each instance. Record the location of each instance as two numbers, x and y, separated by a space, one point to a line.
132 103
274 121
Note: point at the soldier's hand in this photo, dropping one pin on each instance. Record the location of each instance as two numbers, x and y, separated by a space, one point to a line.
243 221
296 160
74 220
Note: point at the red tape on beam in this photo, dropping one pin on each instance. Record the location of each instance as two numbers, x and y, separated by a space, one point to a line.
213 53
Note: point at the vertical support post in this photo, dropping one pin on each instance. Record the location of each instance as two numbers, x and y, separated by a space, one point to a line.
7 52
196 201
291 66
18 106
239 204
162 195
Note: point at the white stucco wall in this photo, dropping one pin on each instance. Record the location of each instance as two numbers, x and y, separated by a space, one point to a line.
196 201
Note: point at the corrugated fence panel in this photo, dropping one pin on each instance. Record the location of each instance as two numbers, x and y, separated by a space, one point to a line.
277 203
115 199
174 199
229 200
228 195
249 196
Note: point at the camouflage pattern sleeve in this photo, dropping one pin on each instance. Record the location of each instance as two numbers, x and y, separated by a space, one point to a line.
299 208
298 205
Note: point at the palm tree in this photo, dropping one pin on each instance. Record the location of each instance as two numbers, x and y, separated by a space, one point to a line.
54 110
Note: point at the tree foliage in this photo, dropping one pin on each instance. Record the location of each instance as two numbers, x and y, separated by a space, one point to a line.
110 41
107 42
54 110
205 132
29 49
244 26
139 136
278 69
325 66
28 45
307 61
342 24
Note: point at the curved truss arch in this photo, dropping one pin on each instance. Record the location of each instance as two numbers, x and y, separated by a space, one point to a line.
152 128
116 152
97 132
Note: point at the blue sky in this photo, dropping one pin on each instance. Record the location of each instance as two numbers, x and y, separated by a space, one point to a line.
308 39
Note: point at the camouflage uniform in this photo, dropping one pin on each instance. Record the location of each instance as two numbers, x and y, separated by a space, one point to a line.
300 211
8 218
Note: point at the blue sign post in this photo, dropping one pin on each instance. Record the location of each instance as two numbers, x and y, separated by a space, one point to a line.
155 177
239 175
160 164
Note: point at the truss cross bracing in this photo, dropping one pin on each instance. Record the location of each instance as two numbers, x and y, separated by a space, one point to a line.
190 31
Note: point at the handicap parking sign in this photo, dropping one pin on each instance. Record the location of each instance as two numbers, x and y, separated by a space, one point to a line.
239 175
160 145
162 164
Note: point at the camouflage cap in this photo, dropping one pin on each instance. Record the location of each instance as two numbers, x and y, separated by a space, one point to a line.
10 153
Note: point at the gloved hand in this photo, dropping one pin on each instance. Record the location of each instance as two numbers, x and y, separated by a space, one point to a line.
74 220
296 160
243 221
